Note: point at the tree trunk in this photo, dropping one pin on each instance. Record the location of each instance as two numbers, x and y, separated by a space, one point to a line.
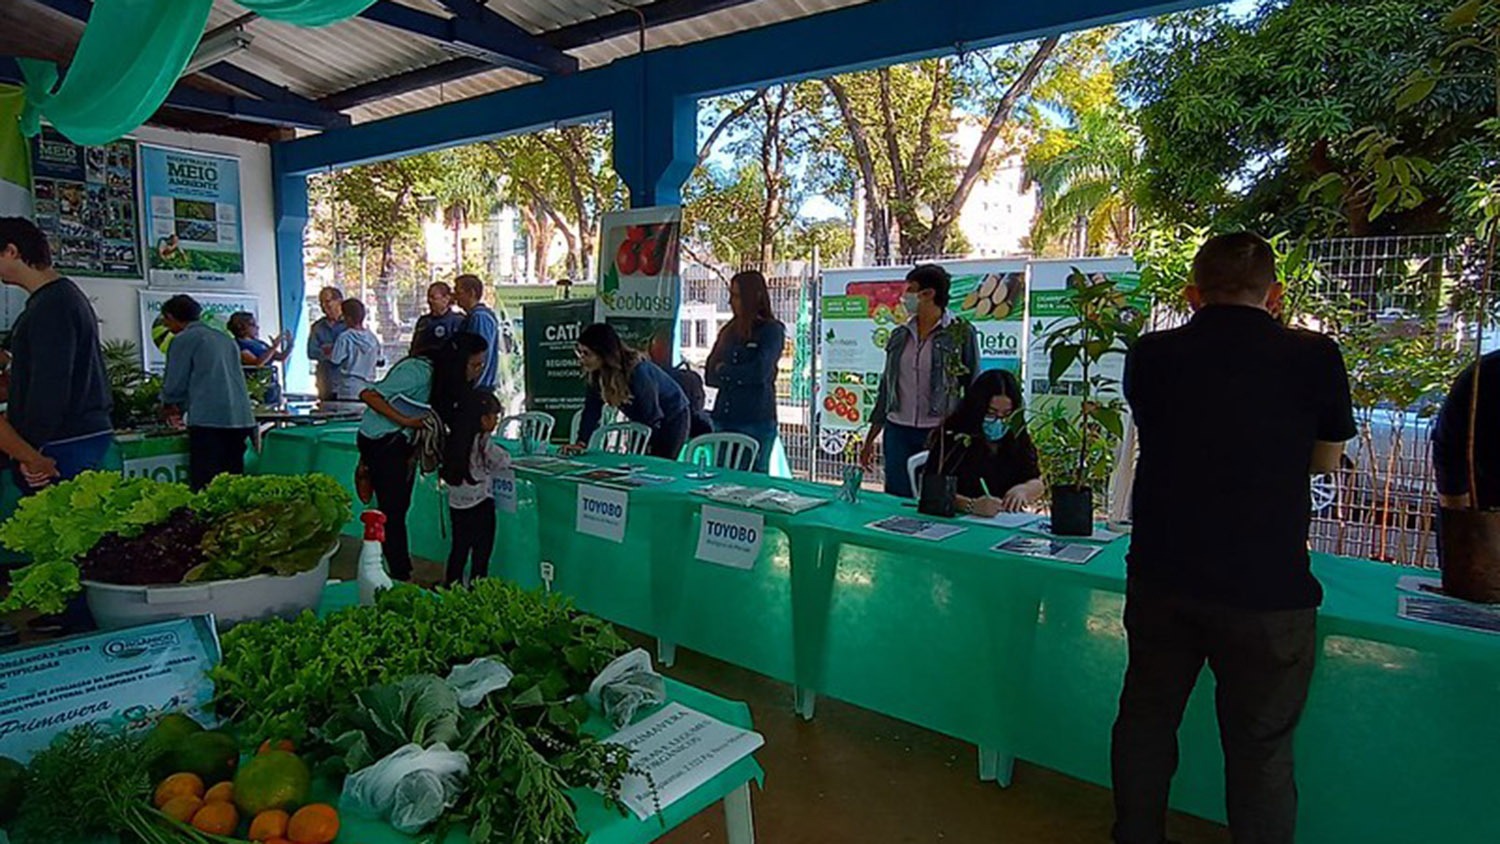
880 231
385 290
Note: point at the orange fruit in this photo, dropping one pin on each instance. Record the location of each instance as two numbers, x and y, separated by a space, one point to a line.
315 824
221 793
178 785
280 744
216 819
182 808
277 841
269 826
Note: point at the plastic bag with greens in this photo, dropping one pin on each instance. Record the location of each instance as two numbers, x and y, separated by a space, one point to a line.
410 788
626 686
473 681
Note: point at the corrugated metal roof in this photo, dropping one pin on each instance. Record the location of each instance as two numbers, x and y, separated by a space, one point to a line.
318 62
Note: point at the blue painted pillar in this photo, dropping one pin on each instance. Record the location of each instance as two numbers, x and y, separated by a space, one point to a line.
656 142
290 207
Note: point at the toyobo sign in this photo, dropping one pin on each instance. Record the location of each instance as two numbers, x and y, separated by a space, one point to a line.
730 537
602 512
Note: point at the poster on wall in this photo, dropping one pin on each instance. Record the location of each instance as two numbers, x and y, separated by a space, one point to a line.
640 278
217 309
554 380
860 309
1049 308
193 233
86 200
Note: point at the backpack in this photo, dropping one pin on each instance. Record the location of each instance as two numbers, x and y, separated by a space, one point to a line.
700 422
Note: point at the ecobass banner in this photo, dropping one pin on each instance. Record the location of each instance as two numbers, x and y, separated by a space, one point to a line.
862 307
554 380
640 277
193 219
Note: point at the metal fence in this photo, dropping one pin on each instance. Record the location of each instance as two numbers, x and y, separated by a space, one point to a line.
1381 505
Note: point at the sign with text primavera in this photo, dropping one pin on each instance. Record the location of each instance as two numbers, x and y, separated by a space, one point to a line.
640 277
193 222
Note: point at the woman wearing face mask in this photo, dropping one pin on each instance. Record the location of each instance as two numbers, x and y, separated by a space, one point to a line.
988 449
929 364
623 378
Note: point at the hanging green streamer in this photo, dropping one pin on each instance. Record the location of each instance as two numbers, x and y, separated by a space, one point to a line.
307 12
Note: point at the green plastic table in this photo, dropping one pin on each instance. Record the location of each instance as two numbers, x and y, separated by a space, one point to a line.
603 824
1020 657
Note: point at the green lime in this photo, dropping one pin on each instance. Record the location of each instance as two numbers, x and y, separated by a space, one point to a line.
275 779
211 755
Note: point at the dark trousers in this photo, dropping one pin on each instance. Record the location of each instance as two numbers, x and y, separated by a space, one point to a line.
389 460
1262 664
901 443
213 452
669 436
473 540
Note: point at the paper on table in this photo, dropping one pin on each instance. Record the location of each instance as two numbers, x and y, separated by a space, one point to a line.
1420 585
1044 528
1009 521
680 749
915 528
1048 549
1450 613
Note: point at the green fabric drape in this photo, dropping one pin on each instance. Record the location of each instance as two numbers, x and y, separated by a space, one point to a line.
132 54
306 12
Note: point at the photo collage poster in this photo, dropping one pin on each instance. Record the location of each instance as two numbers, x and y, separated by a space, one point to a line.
86 200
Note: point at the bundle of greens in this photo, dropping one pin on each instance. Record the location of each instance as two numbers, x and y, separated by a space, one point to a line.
298 680
270 539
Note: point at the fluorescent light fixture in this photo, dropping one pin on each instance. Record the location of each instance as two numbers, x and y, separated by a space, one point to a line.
216 47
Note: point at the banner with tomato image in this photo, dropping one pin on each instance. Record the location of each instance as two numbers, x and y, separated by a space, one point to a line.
640 277
861 307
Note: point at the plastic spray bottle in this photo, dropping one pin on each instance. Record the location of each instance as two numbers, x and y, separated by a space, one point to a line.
372 574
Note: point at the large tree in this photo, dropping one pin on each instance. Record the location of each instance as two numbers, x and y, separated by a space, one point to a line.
1287 118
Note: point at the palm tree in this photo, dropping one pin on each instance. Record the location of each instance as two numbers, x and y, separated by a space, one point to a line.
467 185
1087 174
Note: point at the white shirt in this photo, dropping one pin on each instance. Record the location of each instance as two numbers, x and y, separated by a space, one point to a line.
487 460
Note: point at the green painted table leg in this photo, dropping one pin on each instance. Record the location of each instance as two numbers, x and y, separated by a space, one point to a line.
813 568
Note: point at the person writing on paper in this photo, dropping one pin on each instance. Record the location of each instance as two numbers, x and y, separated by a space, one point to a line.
623 378
929 363
416 390
743 364
985 445
1234 413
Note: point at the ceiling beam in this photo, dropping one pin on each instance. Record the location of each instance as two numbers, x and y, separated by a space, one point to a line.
613 25
245 109
479 34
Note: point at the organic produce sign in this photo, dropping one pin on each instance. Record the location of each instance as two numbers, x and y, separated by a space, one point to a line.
193 234
1049 307
85 199
862 307
554 380
640 279
217 309
119 680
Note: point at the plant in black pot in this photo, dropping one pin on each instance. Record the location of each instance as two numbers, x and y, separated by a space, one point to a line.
1100 322
937 493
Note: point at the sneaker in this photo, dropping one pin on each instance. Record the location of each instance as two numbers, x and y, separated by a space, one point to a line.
363 487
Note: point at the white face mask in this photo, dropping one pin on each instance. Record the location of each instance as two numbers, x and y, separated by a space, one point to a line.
910 301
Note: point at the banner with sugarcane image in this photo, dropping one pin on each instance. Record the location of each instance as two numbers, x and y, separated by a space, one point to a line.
640 278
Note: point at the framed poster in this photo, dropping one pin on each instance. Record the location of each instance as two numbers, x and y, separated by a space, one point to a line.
217 309
640 277
193 228
86 200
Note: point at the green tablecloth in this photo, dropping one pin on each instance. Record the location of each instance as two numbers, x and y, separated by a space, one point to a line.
603 824
1400 741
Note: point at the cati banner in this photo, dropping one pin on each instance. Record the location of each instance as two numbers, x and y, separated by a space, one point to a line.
554 380
193 219
640 277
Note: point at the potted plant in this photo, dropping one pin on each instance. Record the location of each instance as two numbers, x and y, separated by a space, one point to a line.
938 491
1099 322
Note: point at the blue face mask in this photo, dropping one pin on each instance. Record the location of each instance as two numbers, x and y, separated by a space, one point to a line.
995 429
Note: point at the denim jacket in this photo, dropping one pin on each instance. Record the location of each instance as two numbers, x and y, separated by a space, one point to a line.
954 338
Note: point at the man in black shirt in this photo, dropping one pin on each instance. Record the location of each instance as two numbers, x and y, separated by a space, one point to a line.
58 417
1450 439
1234 413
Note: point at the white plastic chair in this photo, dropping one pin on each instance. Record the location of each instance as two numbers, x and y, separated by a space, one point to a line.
914 466
726 451
621 438
608 417
536 425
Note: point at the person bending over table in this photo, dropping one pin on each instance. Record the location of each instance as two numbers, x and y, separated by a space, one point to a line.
204 383
929 363
743 366
404 401
988 449
621 377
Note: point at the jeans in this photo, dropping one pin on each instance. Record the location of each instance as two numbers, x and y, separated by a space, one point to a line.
389 460
901 442
669 436
1262 664
213 452
762 432
73 457
473 540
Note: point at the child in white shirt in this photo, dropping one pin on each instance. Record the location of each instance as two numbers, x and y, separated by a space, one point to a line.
471 461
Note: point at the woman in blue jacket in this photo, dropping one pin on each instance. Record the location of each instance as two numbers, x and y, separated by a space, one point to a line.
743 365
621 377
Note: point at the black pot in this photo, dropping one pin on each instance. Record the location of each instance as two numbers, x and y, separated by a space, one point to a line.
937 496
1469 552
1072 511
